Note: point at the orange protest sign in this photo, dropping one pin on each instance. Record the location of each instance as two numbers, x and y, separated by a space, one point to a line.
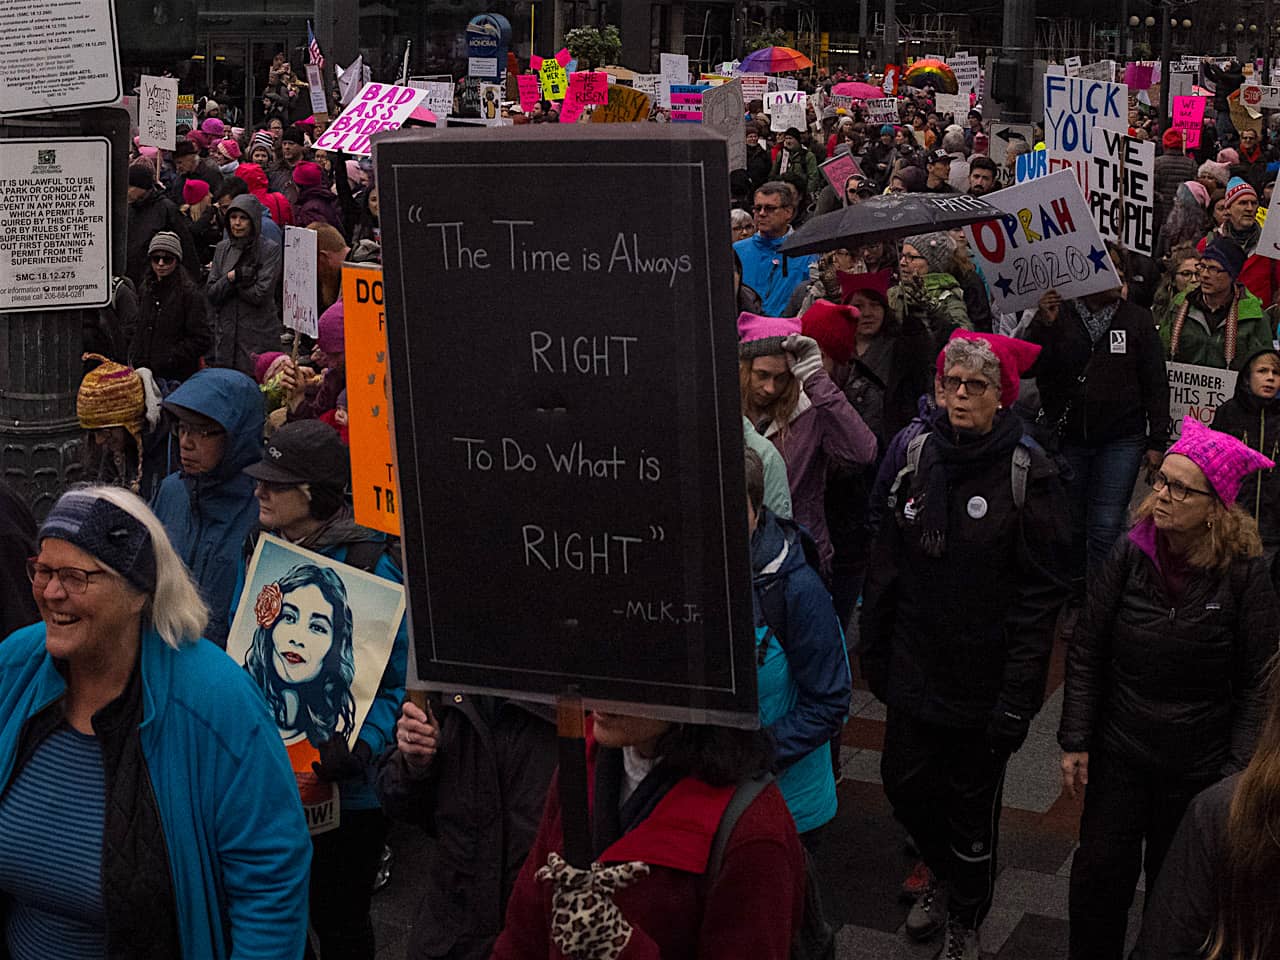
374 488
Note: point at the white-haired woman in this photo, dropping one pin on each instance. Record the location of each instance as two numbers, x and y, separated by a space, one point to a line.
146 802
742 224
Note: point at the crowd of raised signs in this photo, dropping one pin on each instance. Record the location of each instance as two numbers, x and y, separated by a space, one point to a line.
937 493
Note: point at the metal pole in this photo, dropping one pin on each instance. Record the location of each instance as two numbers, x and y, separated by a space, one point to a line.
863 59
890 54
1164 64
1266 43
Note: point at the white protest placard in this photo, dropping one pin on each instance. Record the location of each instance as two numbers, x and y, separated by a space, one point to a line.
57 57
1196 391
379 106
785 109
674 67
485 68
1073 106
352 80
1269 240
787 83
439 99
1085 124
315 84
754 86
1073 66
1102 70
1045 240
1260 97
158 112
722 111
956 104
55 223
967 72
881 110
300 293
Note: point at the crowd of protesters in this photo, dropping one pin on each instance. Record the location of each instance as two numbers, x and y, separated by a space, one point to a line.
936 493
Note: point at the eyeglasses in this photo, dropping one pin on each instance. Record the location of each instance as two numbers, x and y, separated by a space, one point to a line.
73 579
182 428
1177 489
1186 273
973 388
162 258
911 256
763 208
1209 268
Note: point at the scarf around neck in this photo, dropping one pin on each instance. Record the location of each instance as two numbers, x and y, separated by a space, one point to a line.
954 454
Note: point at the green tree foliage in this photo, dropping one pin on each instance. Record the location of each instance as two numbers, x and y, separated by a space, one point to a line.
593 47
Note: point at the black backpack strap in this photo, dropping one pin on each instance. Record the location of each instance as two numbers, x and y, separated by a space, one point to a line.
773 606
365 554
743 796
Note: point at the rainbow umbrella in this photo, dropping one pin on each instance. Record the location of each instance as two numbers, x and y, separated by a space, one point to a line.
858 90
932 73
776 60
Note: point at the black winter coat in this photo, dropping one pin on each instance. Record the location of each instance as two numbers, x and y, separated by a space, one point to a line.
1174 690
1257 422
947 639
481 800
1181 913
17 543
147 217
173 330
1126 388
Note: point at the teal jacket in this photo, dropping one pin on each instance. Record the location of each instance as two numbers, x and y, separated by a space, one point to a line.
238 848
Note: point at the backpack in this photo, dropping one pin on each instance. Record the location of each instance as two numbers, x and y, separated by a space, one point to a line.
1019 465
816 939
773 600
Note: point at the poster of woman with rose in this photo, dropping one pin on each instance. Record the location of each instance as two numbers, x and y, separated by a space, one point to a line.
315 635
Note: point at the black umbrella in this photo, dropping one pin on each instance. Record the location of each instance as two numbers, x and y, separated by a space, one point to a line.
888 217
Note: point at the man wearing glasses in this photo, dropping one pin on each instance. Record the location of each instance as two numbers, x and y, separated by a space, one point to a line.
1217 322
207 506
765 269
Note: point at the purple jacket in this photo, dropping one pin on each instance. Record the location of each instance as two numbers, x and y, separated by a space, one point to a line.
317 204
825 429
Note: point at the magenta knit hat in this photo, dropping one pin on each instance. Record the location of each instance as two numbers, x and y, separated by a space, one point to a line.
213 127
762 336
1016 358
308 174
230 147
262 363
1224 459
331 338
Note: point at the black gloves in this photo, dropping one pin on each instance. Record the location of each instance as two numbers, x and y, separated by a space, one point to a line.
339 762
1006 730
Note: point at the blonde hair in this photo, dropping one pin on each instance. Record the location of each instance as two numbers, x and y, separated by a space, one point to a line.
783 407
174 610
1231 535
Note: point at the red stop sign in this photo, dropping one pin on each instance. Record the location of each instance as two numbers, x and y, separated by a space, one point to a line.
1251 95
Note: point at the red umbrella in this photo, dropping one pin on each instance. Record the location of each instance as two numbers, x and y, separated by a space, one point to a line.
774 60
857 90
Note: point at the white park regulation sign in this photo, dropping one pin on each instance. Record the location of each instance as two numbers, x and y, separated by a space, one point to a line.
55 223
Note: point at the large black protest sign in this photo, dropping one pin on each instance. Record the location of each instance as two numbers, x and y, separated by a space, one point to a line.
565 392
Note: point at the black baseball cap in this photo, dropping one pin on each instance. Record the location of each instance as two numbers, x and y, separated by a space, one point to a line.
304 451
938 156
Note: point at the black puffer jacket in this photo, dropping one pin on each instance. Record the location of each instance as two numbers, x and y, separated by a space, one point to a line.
1257 422
481 800
948 639
1172 689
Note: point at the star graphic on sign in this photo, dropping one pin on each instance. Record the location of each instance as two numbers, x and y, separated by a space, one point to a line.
1099 258
1005 285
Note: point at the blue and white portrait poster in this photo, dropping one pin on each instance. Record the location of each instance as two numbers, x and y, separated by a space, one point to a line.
315 635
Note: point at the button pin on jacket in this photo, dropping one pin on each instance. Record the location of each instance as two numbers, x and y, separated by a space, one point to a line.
976 507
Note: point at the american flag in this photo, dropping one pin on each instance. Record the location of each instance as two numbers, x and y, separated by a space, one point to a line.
313 48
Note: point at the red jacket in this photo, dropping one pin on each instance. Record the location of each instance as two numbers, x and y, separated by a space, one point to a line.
1258 275
277 204
751 909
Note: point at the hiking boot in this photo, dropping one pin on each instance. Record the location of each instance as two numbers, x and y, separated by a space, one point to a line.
928 914
917 881
961 942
